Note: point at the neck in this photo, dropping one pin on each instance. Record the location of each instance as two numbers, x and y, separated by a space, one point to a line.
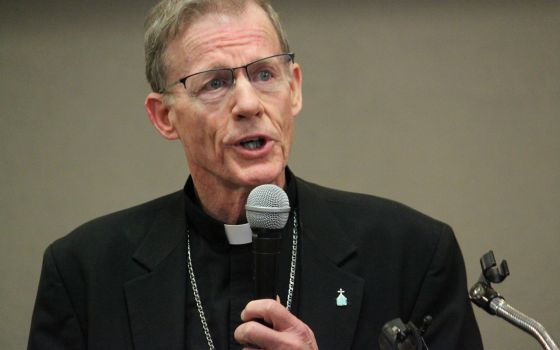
224 202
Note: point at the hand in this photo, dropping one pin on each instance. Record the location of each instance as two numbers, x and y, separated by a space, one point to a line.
287 332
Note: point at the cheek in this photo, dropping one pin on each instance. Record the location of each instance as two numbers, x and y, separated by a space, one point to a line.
286 119
206 134
192 130
280 108
288 137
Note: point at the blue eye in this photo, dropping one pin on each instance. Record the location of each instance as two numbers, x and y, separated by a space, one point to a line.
264 75
215 84
211 82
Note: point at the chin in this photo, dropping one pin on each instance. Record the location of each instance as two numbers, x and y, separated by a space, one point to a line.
264 175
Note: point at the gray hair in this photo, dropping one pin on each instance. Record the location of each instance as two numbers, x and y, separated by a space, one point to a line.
170 17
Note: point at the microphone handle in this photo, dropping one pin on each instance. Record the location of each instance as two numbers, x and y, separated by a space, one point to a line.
522 321
266 251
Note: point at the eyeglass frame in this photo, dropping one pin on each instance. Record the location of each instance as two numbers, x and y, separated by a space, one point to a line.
183 80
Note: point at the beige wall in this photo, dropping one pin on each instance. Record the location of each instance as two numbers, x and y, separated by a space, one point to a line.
451 107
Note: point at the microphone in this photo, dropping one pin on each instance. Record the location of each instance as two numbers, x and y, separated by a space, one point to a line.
395 335
267 211
483 295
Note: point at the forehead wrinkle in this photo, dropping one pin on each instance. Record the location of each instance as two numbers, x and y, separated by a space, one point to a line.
243 40
209 43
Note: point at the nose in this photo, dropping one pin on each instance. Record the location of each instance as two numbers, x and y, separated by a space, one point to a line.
245 98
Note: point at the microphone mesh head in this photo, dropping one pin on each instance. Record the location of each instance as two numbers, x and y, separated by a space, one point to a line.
267 207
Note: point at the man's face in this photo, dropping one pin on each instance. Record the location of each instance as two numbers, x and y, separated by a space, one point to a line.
215 136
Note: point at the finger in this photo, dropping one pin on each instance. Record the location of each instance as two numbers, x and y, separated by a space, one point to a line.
265 338
254 335
271 312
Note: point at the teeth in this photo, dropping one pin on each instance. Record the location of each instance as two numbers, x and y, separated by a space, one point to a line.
252 144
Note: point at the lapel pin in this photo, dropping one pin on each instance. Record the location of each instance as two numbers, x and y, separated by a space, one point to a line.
341 300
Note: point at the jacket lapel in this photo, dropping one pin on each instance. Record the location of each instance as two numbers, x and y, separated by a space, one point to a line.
156 299
325 250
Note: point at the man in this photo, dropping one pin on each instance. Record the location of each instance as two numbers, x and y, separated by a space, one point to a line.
167 275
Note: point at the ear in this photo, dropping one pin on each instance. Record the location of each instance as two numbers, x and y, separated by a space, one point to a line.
158 111
295 87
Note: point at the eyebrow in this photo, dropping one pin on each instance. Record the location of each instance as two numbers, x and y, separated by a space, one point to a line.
211 68
217 66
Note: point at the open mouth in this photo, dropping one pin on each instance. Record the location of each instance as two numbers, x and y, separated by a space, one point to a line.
255 143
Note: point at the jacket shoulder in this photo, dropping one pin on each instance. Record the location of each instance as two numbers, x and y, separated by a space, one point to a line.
124 228
370 208
370 222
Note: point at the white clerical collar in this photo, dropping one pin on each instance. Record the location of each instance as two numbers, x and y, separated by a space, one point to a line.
238 234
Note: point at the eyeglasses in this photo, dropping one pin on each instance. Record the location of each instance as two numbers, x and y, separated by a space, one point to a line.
266 75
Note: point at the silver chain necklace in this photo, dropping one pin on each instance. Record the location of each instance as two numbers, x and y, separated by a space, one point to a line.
197 295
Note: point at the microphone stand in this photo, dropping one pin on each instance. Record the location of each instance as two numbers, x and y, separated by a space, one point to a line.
395 335
484 296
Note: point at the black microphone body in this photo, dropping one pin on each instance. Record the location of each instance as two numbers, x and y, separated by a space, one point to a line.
266 251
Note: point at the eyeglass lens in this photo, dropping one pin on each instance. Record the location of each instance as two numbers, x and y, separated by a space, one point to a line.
265 75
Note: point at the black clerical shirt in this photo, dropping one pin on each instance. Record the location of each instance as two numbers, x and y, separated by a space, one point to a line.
224 274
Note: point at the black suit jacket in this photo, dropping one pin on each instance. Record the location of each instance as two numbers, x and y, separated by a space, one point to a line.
119 282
